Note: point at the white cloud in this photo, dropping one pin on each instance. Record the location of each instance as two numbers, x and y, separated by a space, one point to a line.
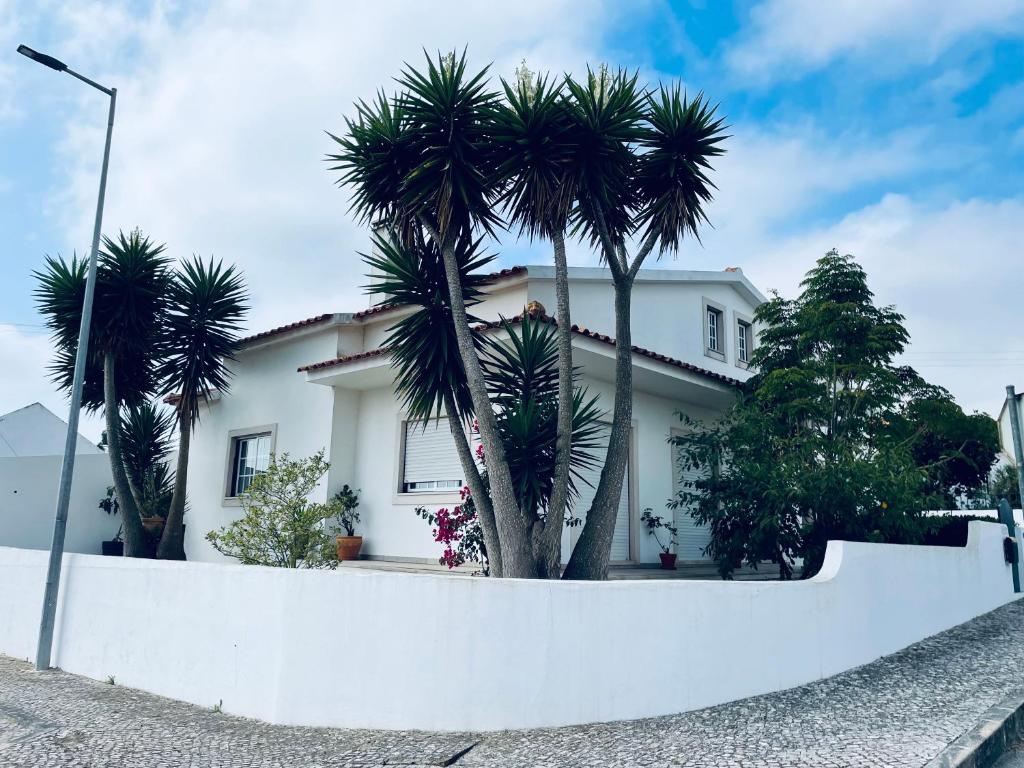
219 137
24 355
786 38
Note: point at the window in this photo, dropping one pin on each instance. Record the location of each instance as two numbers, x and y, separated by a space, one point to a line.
744 341
250 457
714 330
430 463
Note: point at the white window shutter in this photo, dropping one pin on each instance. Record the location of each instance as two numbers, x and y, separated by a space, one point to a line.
430 454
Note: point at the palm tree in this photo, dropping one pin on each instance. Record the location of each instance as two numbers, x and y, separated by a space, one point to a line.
429 375
524 379
131 283
522 374
206 308
532 133
145 445
653 187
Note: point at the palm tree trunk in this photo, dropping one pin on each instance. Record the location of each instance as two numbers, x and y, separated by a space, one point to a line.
172 542
136 544
549 544
482 502
513 525
592 552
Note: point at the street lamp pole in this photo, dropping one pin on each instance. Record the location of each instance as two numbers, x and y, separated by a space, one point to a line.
46 621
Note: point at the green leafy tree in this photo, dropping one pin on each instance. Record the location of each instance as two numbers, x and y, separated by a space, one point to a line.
604 158
206 306
131 286
280 526
827 440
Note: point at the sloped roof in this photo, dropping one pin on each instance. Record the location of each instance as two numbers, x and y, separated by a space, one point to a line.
36 431
584 332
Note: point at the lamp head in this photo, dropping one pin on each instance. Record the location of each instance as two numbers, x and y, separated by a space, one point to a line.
42 58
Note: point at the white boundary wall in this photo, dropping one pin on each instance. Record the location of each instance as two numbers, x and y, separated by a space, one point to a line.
358 648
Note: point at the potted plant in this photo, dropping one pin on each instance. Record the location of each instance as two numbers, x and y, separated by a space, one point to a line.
348 543
113 547
654 523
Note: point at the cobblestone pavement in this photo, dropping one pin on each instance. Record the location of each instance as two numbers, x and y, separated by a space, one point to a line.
899 711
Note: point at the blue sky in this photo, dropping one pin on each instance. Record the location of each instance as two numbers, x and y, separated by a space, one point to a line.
893 131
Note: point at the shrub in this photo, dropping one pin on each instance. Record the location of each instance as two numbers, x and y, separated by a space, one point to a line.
281 527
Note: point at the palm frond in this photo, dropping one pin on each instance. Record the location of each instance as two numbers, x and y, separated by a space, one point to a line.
683 137
423 346
206 308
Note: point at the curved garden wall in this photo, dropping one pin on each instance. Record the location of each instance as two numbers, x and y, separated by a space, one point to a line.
359 648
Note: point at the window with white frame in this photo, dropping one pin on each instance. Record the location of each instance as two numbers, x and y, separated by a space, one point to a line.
430 463
714 330
744 341
250 456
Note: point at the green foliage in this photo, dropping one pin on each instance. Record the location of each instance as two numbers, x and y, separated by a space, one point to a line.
132 280
145 447
346 500
281 527
656 523
1004 485
829 439
522 378
423 345
206 305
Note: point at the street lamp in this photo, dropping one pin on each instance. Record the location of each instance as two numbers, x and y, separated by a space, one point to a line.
67 469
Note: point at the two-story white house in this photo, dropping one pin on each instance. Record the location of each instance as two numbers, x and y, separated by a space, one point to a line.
326 382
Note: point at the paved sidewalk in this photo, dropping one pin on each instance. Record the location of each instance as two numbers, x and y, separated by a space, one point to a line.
899 711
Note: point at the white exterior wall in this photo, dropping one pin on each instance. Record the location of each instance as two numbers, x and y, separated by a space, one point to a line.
265 390
666 317
389 525
28 501
360 427
265 641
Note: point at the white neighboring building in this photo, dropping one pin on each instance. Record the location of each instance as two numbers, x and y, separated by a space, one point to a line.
326 382
31 452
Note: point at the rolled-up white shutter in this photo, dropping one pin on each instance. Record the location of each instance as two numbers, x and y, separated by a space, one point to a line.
431 462
693 538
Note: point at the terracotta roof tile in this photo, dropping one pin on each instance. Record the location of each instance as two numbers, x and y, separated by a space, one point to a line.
290 327
380 308
378 352
585 332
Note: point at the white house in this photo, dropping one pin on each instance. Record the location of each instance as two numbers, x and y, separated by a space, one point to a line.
31 451
326 382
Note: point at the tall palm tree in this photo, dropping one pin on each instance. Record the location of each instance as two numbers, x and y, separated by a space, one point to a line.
206 309
131 284
653 187
532 134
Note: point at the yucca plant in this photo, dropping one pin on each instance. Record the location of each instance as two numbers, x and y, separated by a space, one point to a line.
602 159
131 285
429 374
206 307
656 189
145 445
523 376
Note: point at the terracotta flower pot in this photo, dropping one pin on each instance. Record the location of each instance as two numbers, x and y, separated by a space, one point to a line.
668 561
154 525
348 547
